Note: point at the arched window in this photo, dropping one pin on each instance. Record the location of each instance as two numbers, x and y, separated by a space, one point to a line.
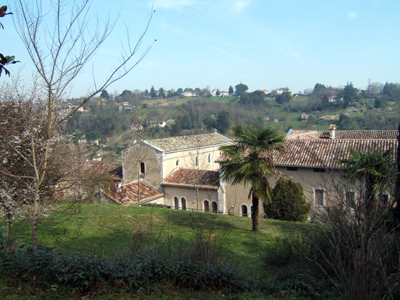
244 211
214 206
197 161
176 203
209 158
206 205
183 200
142 168
177 163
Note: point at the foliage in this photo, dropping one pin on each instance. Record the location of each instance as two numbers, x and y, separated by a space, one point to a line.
251 99
350 94
283 251
5 59
249 160
392 90
240 89
288 202
363 257
283 98
222 123
373 167
38 149
104 94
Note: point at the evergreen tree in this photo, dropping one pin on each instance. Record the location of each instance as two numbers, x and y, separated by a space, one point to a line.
222 123
104 94
288 202
153 93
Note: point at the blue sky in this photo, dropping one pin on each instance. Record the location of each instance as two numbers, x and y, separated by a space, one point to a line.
265 44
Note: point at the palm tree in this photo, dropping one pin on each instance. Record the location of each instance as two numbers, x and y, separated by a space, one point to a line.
375 168
250 160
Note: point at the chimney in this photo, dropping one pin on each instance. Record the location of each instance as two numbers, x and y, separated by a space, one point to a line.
332 131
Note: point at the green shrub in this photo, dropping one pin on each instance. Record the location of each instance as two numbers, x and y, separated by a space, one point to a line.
87 274
288 202
287 250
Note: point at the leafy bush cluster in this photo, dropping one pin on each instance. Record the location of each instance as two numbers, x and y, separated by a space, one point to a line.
288 202
293 259
90 274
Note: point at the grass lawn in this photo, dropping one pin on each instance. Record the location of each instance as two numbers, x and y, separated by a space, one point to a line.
114 231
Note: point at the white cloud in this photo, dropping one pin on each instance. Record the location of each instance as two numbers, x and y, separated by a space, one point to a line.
239 5
174 4
351 15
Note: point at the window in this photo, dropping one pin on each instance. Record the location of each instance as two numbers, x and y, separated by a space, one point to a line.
197 161
319 197
183 200
209 158
177 163
319 170
214 207
244 210
142 168
291 168
350 198
176 203
206 205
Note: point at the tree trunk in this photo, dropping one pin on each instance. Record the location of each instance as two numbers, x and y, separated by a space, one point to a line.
255 212
34 233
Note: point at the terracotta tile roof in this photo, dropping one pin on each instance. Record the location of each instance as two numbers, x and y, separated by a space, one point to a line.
127 194
366 134
189 141
114 170
326 153
344 134
191 178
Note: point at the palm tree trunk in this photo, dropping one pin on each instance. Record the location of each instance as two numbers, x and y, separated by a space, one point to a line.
255 213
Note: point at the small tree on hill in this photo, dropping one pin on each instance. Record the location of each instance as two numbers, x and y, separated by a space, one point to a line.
288 202
240 89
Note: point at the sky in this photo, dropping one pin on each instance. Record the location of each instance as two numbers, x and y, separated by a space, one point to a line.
265 44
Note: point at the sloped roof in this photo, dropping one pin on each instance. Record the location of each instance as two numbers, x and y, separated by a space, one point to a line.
193 178
189 141
114 170
326 153
344 134
127 194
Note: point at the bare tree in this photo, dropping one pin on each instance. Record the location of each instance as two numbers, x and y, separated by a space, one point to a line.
60 44
361 254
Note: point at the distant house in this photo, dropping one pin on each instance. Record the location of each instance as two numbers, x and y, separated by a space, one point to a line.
135 127
189 94
97 157
280 91
82 140
266 92
224 94
304 116
158 124
214 92
151 124
125 106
